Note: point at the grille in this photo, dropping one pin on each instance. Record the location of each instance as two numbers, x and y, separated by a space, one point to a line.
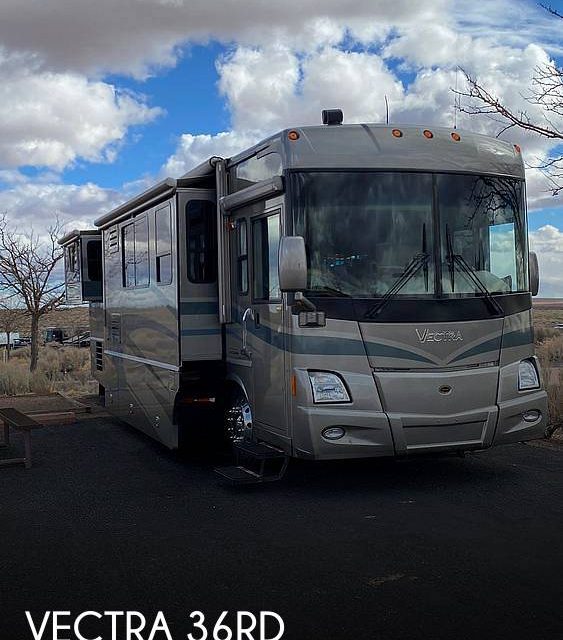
112 241
115 328
99 356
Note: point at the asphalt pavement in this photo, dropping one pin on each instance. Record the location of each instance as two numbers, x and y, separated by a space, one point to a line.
451 547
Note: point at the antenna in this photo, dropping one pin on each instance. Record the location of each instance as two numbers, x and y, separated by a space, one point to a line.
386 110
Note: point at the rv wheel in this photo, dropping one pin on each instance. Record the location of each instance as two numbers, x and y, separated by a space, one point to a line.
238 418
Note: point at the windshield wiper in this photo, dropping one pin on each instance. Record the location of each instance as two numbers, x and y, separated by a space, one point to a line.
418 262
454 259
415 265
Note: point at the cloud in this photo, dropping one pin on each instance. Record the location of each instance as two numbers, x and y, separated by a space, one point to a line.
137 37
51 119
30 204
192 150
547 242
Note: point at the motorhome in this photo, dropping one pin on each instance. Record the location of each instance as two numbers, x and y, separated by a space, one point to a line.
335 291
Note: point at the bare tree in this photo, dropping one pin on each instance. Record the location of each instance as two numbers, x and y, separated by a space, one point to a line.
28 274
546 92
11 317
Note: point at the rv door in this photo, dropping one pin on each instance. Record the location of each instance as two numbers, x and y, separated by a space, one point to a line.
257 344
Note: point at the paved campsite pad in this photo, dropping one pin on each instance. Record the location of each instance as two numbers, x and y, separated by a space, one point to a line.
444 548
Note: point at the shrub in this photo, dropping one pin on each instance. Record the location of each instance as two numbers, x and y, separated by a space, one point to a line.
545 333
14 379
65 369
550 353
40 383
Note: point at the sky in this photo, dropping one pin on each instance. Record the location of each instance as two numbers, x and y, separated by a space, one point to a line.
98 100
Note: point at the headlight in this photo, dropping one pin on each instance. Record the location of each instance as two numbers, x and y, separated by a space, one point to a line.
527 376
328 387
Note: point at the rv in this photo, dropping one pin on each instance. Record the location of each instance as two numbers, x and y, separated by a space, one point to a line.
336 291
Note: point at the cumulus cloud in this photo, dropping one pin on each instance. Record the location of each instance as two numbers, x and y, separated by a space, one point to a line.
192 150
137 36
50 119
31 204
547 242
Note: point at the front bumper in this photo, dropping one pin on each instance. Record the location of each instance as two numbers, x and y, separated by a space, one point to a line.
374 432
422 421
511 425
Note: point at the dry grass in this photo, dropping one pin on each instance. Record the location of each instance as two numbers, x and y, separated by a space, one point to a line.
64 369
550 353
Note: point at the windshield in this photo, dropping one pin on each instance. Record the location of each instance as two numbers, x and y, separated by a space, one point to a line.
365 230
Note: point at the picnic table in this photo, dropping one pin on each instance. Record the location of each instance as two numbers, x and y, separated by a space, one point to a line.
14 419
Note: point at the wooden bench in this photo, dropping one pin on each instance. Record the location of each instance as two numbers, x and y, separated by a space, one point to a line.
12 418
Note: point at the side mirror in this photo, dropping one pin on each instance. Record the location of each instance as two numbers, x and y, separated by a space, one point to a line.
292 264
534 273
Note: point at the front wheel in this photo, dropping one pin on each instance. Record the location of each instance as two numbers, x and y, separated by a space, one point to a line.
237 422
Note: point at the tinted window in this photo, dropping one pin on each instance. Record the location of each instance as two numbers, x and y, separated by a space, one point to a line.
255 170
94 260
163 227
201 238
128 255
483 224
242 257
141 252
266 240
412 234
362 230
136 253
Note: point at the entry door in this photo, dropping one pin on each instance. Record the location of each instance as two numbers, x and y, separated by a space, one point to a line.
255 338
266 336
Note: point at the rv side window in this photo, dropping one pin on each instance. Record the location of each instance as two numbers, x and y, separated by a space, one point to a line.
72 261
201 239
242 257
141 252
163 246
265 245
254 170
128 255
94 260
136 253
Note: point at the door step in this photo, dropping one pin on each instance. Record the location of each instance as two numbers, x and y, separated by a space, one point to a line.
238 475
258 451
255 462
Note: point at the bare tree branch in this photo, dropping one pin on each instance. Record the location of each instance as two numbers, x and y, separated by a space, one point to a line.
545 92
28 273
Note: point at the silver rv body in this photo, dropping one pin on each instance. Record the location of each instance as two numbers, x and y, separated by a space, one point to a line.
412 328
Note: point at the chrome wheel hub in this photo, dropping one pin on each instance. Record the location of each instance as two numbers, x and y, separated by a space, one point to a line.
238 422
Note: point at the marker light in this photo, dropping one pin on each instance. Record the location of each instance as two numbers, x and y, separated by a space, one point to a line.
517 148
527 376
397 133
532 415
327 387
293 135
427 134
455 136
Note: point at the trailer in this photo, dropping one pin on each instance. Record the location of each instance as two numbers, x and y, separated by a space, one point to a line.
335 291
14 337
